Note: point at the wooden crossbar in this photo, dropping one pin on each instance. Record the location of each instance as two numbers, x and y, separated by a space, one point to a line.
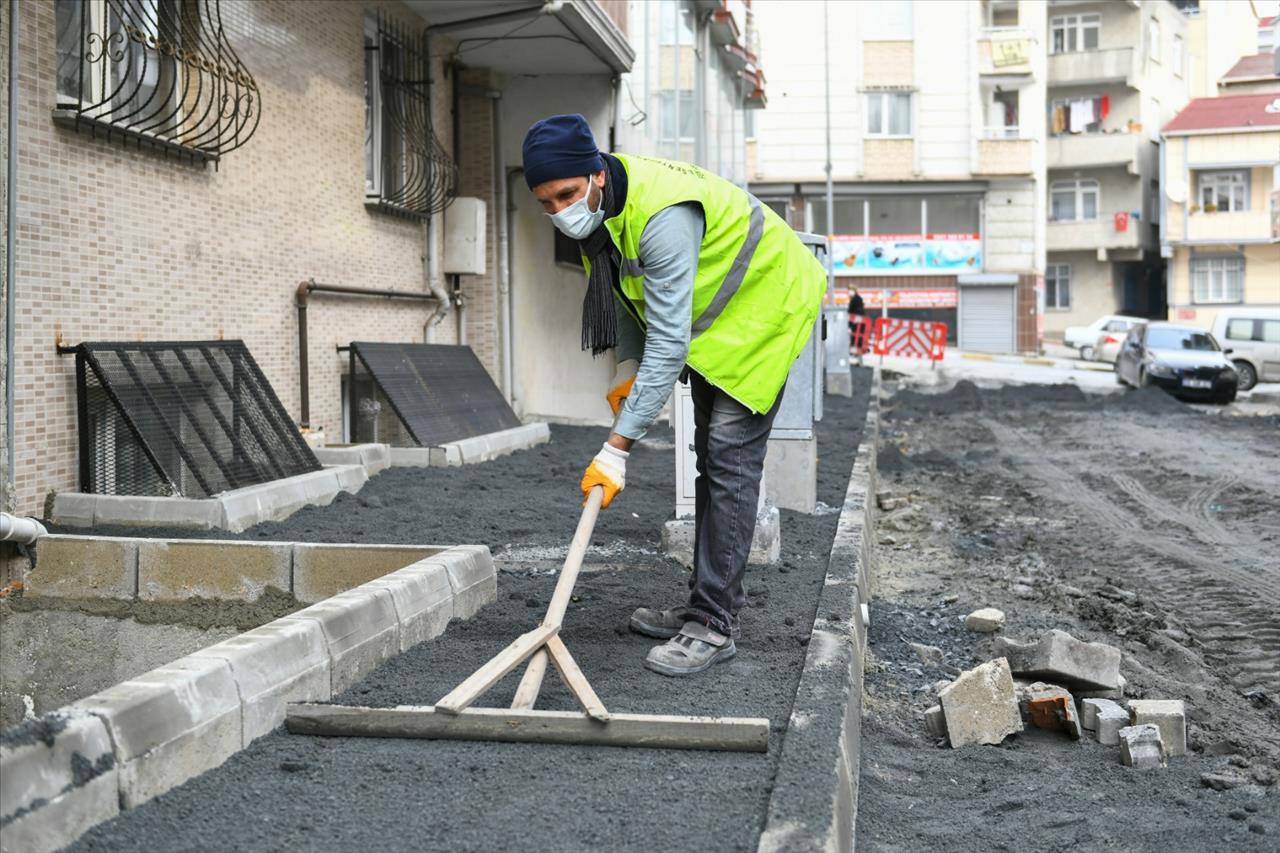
735 734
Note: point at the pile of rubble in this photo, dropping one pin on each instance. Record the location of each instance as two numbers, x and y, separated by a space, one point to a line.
1063 684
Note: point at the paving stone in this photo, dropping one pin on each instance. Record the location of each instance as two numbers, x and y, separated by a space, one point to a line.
360 629
274 664
84 567
1061 658
415 457
980 706
321 570
472 576
1110 721
1115 694
139 511
1092 706
57 786
178 569
935 721
988 620
423 600
1055 710
1169 715
1140 747
170 724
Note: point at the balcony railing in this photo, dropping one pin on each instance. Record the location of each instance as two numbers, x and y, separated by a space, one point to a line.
1117 64
1222 227
1003 155
1092 234
1072 151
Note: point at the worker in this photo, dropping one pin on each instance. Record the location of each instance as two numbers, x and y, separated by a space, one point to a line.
688 278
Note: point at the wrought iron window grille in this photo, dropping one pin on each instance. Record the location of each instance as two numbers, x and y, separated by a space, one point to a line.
407 171
190 419
158 73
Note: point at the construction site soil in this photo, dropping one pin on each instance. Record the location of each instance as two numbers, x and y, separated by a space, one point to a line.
290 792
1129 519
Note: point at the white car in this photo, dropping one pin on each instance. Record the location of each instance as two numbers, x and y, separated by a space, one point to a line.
1251 338
1110 338
1084 339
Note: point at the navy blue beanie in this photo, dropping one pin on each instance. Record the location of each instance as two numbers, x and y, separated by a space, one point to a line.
560 147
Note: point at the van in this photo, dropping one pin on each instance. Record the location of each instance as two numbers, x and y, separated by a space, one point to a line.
1251 338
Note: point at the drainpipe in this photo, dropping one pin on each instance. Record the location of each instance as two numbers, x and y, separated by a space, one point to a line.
11 225
301 297
508 248
24 531
432 265
500 226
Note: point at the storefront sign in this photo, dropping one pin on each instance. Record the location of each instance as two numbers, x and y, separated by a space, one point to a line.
937 297
905 254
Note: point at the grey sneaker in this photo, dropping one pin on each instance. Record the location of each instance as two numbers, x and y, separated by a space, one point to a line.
664 624
693 650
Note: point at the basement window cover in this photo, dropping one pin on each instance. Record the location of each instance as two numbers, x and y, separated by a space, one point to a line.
186 419
422 395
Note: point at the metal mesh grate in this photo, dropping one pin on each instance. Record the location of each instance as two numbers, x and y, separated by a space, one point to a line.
191 419
423 395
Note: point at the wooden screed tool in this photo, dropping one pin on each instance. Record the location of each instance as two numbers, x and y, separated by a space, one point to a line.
454 718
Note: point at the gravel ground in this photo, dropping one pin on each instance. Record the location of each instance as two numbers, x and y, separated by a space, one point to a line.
1131 520
304 793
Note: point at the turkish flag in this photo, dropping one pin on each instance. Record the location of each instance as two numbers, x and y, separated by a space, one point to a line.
1122 221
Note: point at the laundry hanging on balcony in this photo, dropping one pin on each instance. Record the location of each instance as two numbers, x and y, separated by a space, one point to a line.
1081 115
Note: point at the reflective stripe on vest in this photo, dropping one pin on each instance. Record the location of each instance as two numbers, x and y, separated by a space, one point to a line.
732 281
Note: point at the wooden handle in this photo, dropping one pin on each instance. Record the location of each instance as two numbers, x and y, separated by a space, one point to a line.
573 562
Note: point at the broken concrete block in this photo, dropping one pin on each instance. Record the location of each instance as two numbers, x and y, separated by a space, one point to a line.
1055 710
1114 694
1090 708
930 655
1061 658
935 722
888 501
1169 715
988 620
980 707
1105 718
1140 747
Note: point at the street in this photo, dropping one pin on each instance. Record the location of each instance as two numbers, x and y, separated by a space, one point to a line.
1130 520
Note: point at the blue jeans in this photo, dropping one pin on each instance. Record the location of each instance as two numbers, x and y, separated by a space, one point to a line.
730 442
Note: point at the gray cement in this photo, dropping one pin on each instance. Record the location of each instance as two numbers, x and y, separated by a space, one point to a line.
305 793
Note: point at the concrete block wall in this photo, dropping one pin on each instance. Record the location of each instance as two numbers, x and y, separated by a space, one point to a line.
120 244
79 766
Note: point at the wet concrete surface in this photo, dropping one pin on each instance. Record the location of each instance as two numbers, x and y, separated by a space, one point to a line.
290 792
1132 520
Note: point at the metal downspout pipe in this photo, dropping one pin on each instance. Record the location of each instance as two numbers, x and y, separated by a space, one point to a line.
11 226
500 226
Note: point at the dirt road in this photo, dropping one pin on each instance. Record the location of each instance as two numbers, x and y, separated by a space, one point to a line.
1132 520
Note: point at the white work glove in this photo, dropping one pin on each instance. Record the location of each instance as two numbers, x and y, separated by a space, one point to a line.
609 470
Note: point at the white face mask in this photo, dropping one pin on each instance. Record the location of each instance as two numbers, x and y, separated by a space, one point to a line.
578 220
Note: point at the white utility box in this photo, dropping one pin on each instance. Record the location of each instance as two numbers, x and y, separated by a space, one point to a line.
464 243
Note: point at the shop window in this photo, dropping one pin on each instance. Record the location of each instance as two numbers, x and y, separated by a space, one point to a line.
1073 201
1073 33
1057 287
848 216
901 215
954 214
1217 279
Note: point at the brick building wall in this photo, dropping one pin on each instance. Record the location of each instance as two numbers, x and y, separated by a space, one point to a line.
120 244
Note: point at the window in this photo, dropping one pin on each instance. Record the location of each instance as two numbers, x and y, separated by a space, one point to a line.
887 20
1175 55
889 114
677 116
848 216
1002 116
1217 279
1073 33
1270 331
1073 201
1057 287
1240 330
1245 329
1153 40
901 216
406 169
1224 192
1075 115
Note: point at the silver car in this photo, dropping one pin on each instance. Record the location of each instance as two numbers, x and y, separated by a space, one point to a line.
1251 338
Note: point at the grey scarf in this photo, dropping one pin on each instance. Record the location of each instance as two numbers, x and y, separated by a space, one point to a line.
599 312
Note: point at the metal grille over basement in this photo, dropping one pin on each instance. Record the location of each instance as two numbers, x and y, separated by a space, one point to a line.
160 73
422 394
189 419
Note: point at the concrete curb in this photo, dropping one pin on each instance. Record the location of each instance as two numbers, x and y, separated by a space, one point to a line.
468 451
80 765
814 803
1038 361
235 510
178 569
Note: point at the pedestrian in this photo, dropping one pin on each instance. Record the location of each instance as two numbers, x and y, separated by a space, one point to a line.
857 325
688 278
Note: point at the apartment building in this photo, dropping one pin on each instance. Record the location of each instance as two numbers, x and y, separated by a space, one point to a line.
1220 226
150 207
1116 72
937 152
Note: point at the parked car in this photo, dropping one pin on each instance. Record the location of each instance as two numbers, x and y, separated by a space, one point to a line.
1183 360
1110 338
1083 339
1253 338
